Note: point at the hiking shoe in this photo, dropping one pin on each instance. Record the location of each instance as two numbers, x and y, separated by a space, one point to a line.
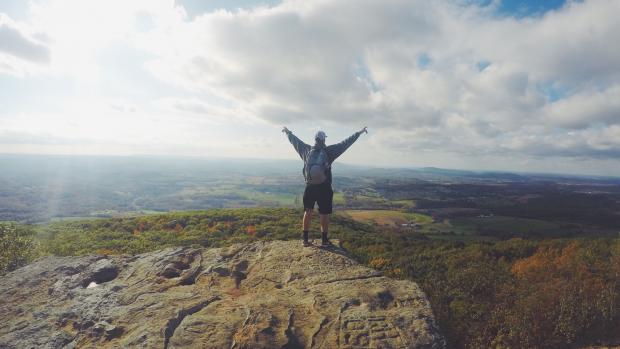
326 242
307 243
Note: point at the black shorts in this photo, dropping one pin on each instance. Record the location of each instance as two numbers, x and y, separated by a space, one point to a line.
322 194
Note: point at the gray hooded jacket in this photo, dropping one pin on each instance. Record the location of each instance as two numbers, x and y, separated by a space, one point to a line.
333 151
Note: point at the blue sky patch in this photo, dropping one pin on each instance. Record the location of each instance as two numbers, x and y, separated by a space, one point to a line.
554 92
482 65
423 61
361 71
525 8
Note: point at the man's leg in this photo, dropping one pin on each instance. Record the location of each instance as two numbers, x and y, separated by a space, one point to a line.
324 228
324 223
307 219
306 224
325 209
309 201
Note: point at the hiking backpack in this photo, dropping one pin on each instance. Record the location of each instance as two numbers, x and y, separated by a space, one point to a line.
315 168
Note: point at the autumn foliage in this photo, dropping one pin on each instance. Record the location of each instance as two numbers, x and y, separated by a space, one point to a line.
516 293
561 295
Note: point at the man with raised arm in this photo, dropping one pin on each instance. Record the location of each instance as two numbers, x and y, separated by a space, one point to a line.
318 175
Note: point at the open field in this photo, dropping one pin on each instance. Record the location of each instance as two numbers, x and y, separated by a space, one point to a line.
388 217
454 204
472 228
339 198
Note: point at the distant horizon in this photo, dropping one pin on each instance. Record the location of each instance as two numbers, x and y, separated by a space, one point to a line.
292 160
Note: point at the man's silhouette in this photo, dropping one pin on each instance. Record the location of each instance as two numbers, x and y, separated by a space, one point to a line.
317 172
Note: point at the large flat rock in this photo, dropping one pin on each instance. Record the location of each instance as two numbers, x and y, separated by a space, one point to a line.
259 295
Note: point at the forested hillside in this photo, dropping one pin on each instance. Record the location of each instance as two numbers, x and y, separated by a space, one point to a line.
527 293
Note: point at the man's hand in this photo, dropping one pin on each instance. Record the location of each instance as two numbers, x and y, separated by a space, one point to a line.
364 130
285 130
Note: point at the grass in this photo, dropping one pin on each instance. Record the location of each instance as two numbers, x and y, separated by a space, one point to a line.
461 238
388 217
404 203
105 214
370 199
240 193
274 199
69 219
339 198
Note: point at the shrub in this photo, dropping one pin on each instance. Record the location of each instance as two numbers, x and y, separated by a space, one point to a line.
17 247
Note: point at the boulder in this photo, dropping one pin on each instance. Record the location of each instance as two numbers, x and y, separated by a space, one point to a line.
259 295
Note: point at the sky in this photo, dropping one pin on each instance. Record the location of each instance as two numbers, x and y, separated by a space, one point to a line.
512 85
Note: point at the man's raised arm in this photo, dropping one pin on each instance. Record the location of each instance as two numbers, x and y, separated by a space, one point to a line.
335 150
301 147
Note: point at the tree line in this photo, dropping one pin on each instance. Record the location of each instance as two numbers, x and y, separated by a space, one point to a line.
513 293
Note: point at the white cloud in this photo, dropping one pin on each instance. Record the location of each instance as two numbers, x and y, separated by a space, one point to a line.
16 43
420 65
586 108
443 77
21 50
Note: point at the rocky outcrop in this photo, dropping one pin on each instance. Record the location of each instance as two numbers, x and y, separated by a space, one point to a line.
259 295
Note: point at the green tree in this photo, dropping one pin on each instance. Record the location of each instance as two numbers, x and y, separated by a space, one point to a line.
17 247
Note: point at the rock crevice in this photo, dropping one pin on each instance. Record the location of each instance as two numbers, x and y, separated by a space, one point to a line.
174 322
259 295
